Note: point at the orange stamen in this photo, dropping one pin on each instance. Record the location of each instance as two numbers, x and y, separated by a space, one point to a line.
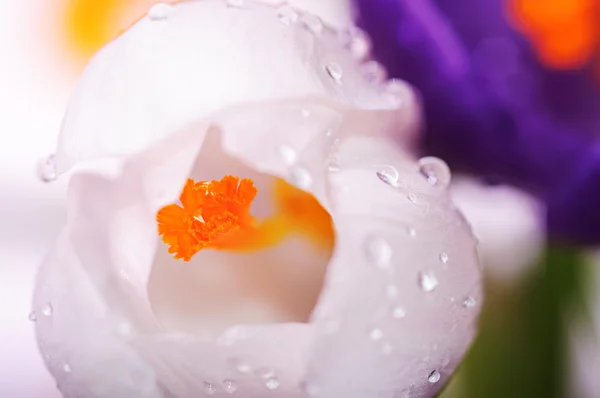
216 215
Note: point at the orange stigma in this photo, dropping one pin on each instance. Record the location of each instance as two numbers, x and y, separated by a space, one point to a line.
216 214
209 210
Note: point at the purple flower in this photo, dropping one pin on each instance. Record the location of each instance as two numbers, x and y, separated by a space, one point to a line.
491 107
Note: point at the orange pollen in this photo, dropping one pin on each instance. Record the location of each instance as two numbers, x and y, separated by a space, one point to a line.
209 210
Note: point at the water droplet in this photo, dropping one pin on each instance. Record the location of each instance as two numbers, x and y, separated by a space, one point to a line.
313 22
47 310
398 312
387 349
376 334
444 257
305 113
396 92
379 251
428 281
47 169
67 368
335 71
229 386
287 15
240 366
231 336
391 292
288 154
412 197
469 302
412 232
264 372
209 388
235 3
389 175
373 72
159 12
32 316
301 177
435 171
272 383
434 377
333 167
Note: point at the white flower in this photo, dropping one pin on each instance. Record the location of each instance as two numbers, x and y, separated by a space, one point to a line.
368 288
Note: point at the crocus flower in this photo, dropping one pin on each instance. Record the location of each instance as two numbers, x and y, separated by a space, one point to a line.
308 253
507 93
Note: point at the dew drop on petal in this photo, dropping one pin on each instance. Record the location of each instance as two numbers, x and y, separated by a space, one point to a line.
334 70
240 366
47 310
32 316
434 377
272 383
379 251
389 175
313 22
288 154
67 368
47 169
305 113
444 257
412 232
264 372
435 171
376 334
428 281
398 312
412 197
469 302
229 386
159 12
301 177
287 15
209 388
387 349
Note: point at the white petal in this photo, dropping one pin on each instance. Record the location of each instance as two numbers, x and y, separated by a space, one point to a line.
203 57
508 222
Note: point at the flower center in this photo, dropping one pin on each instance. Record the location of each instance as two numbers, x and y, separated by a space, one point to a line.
216 214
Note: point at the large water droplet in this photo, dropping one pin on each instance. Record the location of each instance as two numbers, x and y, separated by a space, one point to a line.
435 171
313 22
444 257
47 310
46 169
428 281
287 15
334 70
373 72
389 175
240 366
469 302
209 388
379 251
32 316
301 177
272 383
288 154
434 377
229 386
159 12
